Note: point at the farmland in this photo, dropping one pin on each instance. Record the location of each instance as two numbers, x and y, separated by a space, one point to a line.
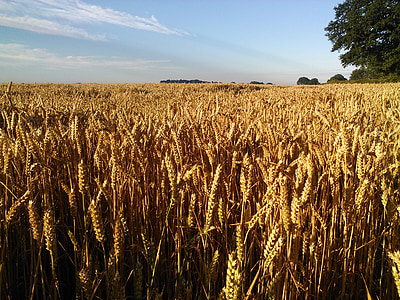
199 191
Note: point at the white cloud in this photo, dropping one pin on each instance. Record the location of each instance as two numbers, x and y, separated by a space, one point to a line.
19 54
47 27
56 17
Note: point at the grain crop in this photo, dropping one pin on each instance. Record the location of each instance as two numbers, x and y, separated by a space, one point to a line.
199 191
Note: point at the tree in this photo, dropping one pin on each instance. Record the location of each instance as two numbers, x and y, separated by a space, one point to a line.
307 81
303 80
359 74
337 78
368 31
314 81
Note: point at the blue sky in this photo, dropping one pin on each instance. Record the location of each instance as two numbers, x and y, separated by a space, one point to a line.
148 41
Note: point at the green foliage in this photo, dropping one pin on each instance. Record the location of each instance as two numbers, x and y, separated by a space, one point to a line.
307 81
359 74
337 78
369 34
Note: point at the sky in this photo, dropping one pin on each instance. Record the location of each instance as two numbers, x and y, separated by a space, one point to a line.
69 41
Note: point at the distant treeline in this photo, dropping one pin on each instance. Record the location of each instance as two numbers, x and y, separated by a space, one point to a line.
259 82
184 81
201 81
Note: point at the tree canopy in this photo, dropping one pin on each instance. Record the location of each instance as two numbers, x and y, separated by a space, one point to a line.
307 81
368 31
336 78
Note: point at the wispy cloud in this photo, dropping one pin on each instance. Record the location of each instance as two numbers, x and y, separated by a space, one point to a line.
47 27
60 17
19 54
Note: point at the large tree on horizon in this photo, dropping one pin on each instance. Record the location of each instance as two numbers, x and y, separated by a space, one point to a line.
368 33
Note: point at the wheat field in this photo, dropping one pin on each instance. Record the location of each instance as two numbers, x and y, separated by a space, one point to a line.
200 191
